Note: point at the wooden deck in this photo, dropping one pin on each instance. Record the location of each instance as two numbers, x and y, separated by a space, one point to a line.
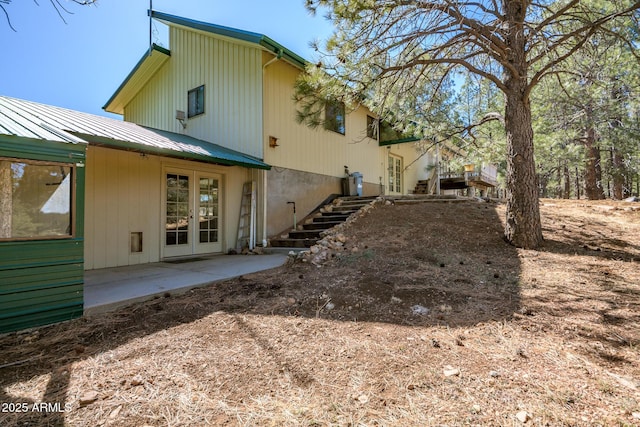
459 181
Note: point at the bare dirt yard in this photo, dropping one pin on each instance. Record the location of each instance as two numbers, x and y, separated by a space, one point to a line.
426 318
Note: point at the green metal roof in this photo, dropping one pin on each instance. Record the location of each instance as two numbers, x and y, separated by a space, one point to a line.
36 121
247 36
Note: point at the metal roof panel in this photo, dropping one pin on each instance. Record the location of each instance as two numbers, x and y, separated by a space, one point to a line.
46 122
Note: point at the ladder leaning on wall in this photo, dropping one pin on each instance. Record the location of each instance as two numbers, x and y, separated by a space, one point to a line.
247 221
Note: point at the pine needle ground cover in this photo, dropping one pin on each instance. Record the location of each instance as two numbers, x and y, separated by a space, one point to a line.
427 317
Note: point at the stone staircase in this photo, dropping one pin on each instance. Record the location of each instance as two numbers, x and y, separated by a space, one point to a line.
320 220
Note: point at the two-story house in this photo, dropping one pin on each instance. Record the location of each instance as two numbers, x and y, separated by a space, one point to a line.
202 118
235 88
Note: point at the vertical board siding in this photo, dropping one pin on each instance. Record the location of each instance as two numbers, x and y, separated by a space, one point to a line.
314 150
125 194
232 75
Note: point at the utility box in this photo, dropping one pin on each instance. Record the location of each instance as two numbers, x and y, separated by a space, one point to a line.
357 178
352 185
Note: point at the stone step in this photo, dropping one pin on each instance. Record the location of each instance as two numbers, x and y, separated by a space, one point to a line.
346 212
355 202
321 225
305 234
293 243
331 218
363 198
348 208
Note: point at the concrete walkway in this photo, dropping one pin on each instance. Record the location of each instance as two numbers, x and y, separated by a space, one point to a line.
109 288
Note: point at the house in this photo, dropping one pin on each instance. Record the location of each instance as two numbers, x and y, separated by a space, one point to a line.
235 88
202 119
81 192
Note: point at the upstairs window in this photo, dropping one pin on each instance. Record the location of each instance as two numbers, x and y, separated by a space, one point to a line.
196 102
335 117
372 127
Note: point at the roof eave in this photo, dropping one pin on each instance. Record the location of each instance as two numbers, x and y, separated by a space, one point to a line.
398 141
246 36
165 152
150 62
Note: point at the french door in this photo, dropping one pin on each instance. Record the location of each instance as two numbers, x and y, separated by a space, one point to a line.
191 213
395 174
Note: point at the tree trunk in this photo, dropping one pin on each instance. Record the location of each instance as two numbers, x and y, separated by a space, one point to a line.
567 181
559 180
523 226
593 168
618 174
577 184
6 196
543 183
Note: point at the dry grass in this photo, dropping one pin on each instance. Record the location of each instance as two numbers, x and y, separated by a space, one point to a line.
553 332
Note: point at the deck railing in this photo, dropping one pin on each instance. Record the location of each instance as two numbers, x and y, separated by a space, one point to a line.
486 174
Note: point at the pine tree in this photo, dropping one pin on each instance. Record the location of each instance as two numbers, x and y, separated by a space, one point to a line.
401 57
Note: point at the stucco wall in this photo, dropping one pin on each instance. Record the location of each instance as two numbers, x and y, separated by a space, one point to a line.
308 190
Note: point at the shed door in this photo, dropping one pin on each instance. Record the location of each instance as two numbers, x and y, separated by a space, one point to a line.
191 213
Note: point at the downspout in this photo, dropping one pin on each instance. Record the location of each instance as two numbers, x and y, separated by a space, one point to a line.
272 60
264 172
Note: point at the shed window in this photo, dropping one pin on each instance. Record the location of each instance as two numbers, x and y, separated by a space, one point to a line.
335 117
196 102
36 200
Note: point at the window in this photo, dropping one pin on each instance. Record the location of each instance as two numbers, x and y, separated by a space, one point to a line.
208 210
196 102
335 117
177 209
36 200
372 127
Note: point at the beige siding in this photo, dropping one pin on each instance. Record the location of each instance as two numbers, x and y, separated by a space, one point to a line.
124 193
231 73
316 151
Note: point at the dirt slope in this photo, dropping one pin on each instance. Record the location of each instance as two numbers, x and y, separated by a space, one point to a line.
426 318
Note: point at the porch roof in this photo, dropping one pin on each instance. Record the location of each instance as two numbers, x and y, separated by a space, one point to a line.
45 122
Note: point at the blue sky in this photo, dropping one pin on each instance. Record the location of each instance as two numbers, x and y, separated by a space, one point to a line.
80 64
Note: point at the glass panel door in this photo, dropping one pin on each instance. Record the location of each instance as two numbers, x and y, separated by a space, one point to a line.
177 215
395 174
192 214
208 235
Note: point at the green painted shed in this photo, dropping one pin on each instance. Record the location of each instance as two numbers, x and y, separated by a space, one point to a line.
42 180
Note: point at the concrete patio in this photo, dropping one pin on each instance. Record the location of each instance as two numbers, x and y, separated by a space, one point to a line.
109 288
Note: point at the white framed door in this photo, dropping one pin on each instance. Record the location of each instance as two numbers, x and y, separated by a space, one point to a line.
208 230
394 172
192 222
